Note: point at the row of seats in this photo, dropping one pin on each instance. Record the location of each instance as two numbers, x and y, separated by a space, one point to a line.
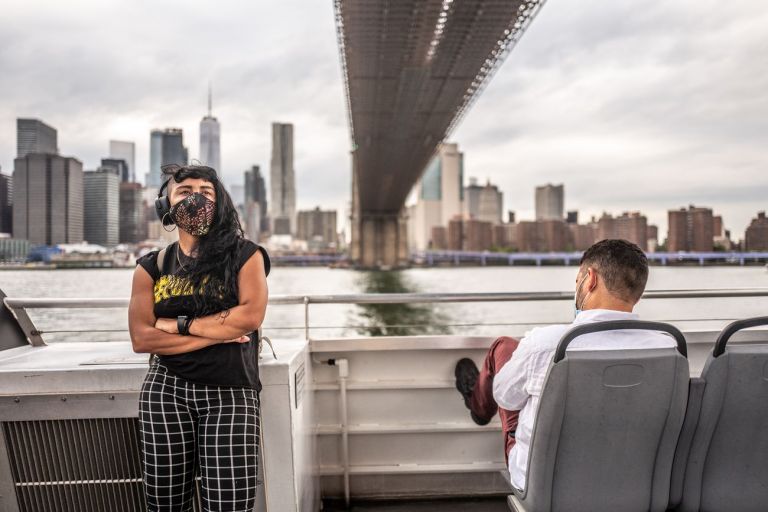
629 430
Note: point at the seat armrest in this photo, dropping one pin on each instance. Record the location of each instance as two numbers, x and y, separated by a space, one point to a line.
514 504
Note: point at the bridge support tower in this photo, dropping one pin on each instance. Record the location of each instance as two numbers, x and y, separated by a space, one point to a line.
379 239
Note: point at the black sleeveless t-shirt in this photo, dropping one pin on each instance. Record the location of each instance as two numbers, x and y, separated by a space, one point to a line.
224 364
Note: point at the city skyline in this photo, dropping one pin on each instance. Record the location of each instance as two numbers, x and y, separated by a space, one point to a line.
652 134
442 186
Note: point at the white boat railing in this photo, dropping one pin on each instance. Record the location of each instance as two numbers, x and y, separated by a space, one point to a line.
19 305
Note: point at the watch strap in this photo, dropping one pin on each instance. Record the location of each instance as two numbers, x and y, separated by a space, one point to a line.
182 324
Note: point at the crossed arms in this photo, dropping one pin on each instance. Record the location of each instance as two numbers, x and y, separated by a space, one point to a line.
160 335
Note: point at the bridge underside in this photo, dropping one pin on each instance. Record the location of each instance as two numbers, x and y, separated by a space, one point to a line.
412 68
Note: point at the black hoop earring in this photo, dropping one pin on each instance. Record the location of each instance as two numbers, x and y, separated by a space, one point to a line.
162 223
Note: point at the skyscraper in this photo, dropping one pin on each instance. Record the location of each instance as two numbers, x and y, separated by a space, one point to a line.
6 203
48 199
484 203
550 202
123 150
210 145
255 191
133 220
101 194
440 196
119 166
282 181
154 178
165 147
174 151
34 136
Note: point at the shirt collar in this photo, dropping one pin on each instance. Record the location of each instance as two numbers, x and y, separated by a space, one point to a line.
600 315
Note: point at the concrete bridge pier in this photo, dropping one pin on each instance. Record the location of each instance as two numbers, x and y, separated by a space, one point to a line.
380 241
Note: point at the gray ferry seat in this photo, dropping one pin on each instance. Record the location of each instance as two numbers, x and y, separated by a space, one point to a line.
727 464
607 426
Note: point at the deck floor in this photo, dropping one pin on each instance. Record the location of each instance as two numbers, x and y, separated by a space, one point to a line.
450 505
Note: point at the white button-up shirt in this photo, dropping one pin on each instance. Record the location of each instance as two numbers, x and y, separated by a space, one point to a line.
518 384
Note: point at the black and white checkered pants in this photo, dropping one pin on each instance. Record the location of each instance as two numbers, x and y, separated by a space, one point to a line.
188 427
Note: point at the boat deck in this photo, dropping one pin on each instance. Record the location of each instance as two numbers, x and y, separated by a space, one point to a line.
453 505
374 419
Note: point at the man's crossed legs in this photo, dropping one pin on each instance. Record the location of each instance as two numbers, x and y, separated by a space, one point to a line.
476 386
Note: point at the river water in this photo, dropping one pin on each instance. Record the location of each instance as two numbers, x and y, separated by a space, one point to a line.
349 320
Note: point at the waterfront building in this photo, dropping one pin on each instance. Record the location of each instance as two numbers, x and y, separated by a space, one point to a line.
317 226
440 196
529 237
582 236
456 234
6 203
511 236
133 213
500 237
439 238
282 181
717 226
484 203
154 179
101 206
252 220
542 236
756 236
478 235
255 192
631 226
48 199
13 249
550 202
653 238
653 233
691 230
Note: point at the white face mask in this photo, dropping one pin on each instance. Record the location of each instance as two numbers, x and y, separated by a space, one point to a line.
577 305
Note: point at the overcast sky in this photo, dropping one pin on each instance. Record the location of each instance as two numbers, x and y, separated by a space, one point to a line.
632 105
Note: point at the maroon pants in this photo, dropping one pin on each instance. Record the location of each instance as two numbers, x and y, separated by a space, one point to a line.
482 402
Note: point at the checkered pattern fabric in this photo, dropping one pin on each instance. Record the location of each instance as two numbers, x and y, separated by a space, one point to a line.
189 428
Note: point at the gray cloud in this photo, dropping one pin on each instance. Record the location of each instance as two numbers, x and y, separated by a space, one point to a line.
632 105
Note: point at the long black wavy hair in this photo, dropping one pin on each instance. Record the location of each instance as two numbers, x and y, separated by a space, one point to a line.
217 250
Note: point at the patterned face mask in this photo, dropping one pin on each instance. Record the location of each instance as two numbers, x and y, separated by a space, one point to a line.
194 214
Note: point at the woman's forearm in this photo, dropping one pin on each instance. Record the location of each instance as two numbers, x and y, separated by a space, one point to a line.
228 324
159 342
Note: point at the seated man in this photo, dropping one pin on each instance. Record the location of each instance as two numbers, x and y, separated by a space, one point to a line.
610 281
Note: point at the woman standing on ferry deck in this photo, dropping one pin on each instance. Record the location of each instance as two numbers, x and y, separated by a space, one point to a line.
197 310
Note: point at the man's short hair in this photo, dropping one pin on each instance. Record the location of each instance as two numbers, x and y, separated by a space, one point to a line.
621 264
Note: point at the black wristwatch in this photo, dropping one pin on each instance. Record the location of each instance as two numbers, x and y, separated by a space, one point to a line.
182 324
